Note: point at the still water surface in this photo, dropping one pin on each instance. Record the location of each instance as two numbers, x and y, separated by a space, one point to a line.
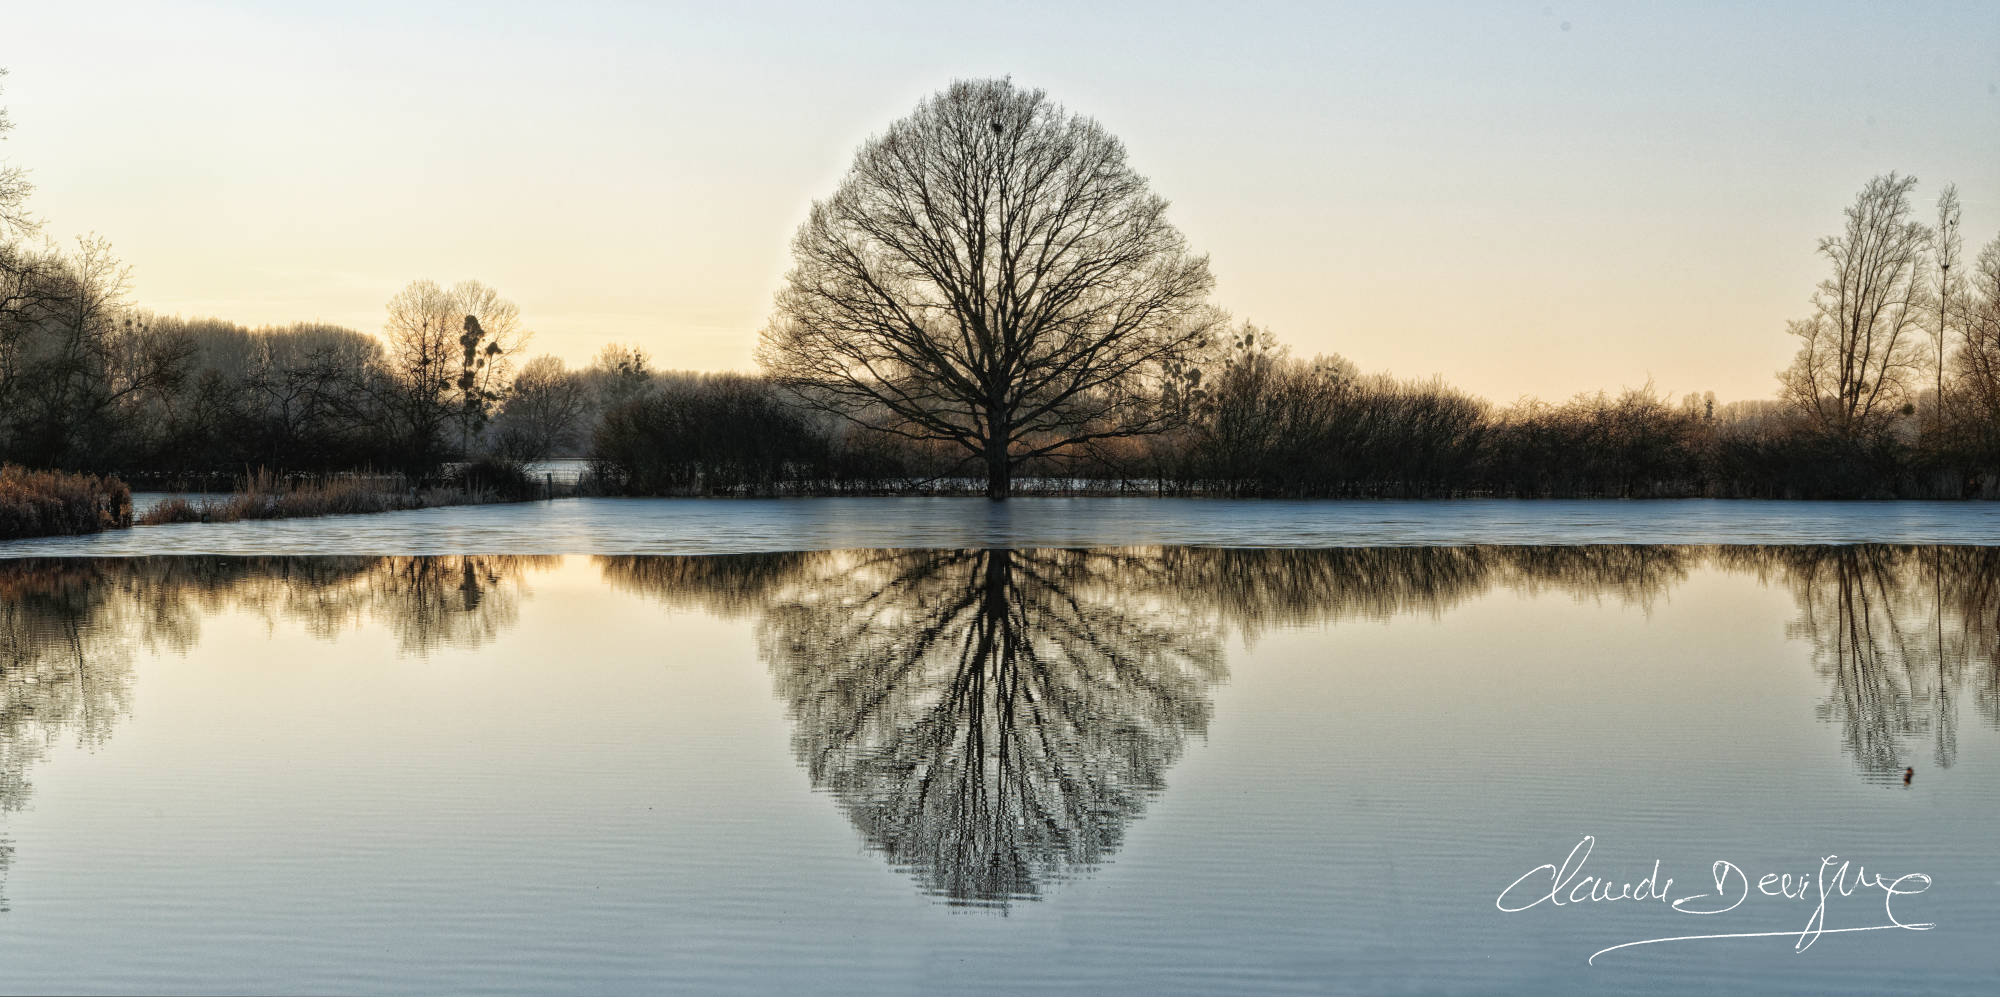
735 526
1141 769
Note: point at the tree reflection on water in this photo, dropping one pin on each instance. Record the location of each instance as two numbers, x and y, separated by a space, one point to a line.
1896 633
65 670
994 721
990 720
68 627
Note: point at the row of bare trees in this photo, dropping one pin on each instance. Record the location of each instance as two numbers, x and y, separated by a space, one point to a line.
1899 304
993 281
994 299
88 383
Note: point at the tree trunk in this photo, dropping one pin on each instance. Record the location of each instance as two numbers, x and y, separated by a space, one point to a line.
999 470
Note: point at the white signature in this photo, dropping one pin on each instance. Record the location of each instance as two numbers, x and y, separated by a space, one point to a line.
1568 885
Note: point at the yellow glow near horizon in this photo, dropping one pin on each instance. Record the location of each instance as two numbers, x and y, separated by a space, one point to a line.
1523 199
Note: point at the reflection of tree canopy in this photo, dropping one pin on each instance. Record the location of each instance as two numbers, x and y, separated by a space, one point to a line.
725 585
65 666
428 602
990 720
1897 632
65 670
1259 587
68 626
906 672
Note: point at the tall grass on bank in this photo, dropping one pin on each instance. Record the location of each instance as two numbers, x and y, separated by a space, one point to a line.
56 503
264 495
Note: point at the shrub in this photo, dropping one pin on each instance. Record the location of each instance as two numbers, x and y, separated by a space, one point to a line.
264 495
715 435
494 477
55 503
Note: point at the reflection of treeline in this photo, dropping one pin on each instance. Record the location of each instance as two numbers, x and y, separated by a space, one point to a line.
467 600
428 602
1247 588
1898 632
1255 588
68 627
727 585
65 663
991 721
65 668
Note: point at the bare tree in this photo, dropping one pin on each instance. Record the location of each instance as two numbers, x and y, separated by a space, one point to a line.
78 364
993 275
1945 246
1860 345
1978 358
617 375
544 407
25 272
14 188
449 359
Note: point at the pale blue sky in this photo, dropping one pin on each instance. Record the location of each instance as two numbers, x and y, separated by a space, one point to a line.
1473 190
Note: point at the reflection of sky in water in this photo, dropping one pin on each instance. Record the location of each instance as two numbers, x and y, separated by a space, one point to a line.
1167 768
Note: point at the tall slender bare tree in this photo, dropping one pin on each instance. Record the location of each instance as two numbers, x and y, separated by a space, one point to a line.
1860 347
1945 246
991 274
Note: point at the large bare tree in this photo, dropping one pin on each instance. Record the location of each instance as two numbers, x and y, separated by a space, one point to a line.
1862 344
992 275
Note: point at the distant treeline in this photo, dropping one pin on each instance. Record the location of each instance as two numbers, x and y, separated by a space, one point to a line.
1895 391
1273 426
87 384
168 401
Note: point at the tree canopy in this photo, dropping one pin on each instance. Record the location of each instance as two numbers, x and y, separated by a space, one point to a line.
991 275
